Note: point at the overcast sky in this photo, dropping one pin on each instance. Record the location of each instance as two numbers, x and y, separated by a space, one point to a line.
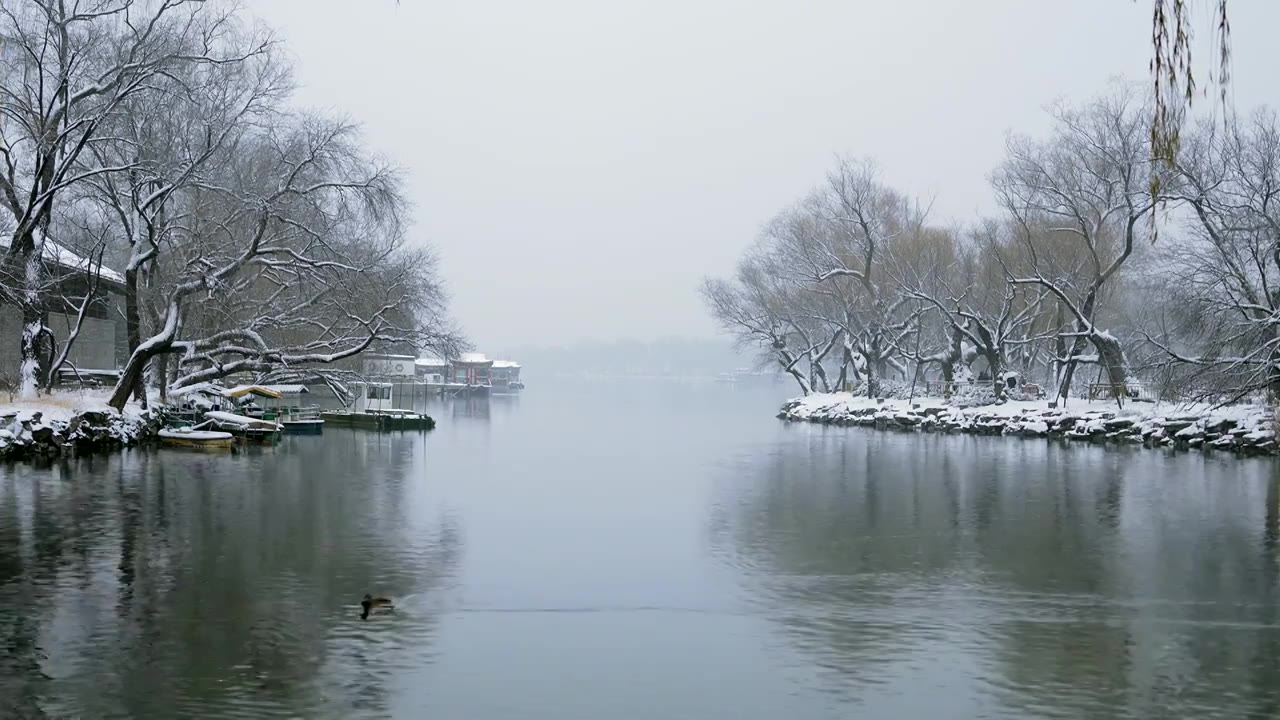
580 165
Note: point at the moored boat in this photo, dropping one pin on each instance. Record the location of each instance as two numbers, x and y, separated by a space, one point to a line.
246 428
387 419
303 426
299 420
199 439
372 409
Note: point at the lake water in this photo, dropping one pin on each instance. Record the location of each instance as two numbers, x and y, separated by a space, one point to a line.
641 550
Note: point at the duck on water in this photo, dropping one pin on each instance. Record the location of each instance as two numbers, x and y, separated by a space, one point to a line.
369 603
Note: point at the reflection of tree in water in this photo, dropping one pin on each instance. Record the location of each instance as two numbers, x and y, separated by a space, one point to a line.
846 546
1047 542
189 581
1072 580
22 680
1163 604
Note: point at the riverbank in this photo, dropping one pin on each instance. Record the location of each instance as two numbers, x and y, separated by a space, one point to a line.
72 423
1246 429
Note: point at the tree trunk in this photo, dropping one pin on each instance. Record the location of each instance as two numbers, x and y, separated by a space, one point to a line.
873 369
1273 361
1079 343
995 365
46 351
133 327
163 377
31 305
855 375
846 358
954 355
135 368
1059 349
1273 377
29 352
820 372
1111 357
805 388
1069 371
129 380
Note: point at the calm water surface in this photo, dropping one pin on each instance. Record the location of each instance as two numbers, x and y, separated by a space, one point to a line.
645 550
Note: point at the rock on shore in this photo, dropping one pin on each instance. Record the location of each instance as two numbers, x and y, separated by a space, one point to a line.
32 433
1245 429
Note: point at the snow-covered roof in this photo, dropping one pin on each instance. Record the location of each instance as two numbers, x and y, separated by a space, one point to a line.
242 390
430 362
501 364
472 358
385 356
55 253
288 389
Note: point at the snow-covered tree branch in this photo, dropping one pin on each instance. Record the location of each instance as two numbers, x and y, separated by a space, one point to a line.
66 70
287 252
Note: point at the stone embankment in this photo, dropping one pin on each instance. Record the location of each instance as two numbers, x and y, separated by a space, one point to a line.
27 433
1246 429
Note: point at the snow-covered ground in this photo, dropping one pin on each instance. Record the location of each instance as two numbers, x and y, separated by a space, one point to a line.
63 405
1236 427
70 417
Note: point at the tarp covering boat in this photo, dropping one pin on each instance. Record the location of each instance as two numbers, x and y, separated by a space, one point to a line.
226 418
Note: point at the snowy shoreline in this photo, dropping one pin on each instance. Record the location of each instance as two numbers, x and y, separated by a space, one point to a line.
79 423
1246 429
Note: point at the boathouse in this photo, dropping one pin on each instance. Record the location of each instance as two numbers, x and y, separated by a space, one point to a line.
505 374
472 370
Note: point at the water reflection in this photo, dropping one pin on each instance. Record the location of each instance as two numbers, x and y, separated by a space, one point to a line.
474 406
848 573
158 582
1024 578
469 408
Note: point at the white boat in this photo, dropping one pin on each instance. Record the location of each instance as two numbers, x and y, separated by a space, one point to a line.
204 439
303 427
301 421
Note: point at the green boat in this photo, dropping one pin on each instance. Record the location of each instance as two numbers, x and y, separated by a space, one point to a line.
386 419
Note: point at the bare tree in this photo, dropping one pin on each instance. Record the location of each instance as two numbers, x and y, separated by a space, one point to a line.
853 274
984 309
65 69
1087 185
844 240
758 310
1223 322
289 252
194 116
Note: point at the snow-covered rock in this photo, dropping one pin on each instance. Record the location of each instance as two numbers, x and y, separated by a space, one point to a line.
1239 428
71 422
